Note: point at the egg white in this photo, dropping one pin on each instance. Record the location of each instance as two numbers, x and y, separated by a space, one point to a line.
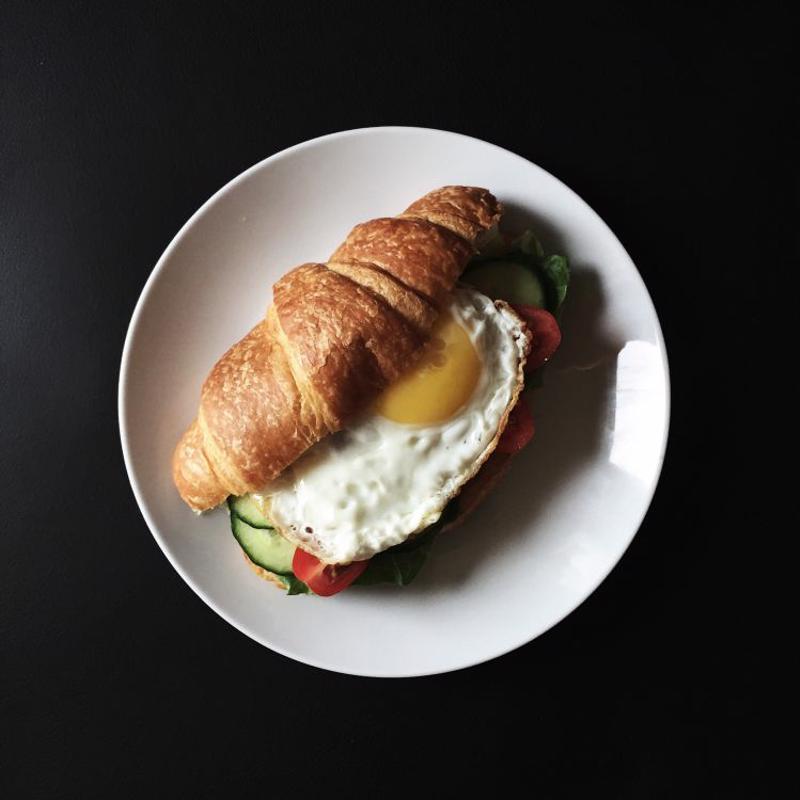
377 482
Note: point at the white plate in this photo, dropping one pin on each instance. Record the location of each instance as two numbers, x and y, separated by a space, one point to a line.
547 536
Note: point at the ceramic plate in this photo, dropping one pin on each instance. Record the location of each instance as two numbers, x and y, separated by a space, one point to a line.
548 535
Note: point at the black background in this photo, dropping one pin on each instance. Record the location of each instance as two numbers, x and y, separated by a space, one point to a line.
115 679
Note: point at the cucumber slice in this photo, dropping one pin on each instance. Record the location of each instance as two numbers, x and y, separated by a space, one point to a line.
264 546
507 280
248 511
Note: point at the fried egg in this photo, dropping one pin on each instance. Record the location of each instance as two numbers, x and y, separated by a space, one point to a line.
391 472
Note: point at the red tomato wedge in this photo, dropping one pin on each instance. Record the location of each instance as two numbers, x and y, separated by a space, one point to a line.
325 579
519 429
546 334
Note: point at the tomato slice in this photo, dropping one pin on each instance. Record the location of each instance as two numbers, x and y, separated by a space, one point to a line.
519 429
325 579
546 334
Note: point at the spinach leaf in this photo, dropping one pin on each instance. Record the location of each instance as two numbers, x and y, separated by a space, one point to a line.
401 564
555 275
398 565
294 585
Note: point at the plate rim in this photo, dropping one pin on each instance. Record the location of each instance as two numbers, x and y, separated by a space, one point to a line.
125 435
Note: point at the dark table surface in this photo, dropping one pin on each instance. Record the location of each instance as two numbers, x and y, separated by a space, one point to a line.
115 125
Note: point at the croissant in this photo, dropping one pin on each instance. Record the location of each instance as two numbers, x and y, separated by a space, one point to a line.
336 335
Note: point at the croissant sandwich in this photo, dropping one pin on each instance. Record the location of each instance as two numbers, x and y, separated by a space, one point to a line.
348 427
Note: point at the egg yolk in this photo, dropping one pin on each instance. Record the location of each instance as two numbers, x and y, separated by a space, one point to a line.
440 383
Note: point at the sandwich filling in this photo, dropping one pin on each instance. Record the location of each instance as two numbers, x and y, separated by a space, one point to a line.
391 473
365 505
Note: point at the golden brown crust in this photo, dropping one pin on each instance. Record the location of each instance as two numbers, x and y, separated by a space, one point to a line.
419 313
427 258
336 336
345 344
250 397
192 473
465 210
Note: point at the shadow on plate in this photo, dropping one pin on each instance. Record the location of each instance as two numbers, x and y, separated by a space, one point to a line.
517 219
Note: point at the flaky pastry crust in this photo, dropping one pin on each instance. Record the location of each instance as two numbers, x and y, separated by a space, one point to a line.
336 335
